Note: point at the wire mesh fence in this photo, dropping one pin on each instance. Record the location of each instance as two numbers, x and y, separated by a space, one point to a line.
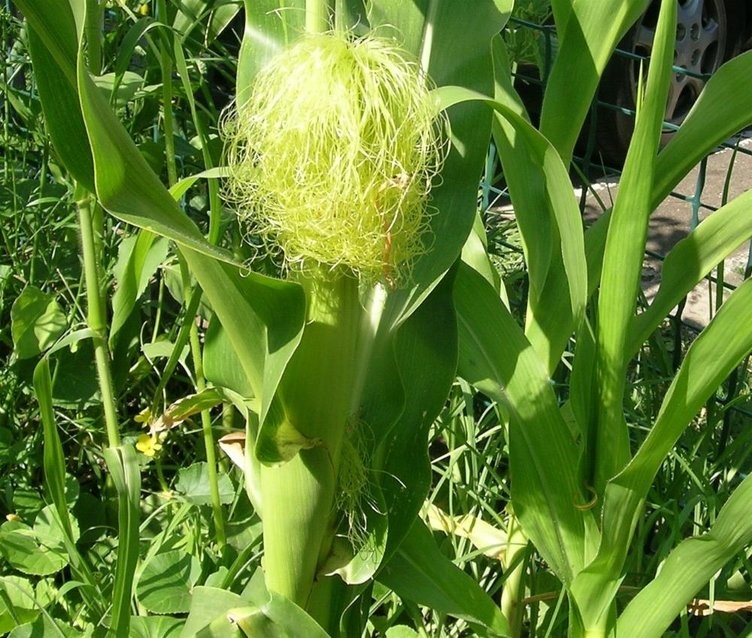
719 177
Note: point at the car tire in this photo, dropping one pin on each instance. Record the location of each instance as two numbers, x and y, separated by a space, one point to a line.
706 38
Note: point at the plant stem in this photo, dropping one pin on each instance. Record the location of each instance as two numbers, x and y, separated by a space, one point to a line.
165 63
209 444
96 316
314 401
206 425
318 14
511 597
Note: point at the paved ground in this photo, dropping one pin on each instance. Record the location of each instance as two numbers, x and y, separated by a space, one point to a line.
673 219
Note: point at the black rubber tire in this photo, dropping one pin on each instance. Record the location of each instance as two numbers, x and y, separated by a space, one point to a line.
705 39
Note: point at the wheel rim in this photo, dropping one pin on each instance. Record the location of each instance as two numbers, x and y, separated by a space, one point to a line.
700 45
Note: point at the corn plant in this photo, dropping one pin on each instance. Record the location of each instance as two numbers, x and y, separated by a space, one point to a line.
578 487
355 145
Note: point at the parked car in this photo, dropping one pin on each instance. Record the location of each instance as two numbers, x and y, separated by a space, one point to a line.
708 33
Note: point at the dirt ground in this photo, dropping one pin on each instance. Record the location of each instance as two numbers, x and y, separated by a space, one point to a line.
674 218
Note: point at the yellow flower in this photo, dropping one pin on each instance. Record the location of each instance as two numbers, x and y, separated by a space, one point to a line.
148 445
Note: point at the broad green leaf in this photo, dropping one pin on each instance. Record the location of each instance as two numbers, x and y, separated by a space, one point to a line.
53 54
221 364
718 349
623 257
193 484
263 317
723 109
75 373
119 90
401 631
216 613
504 91
210 605
419 572
537 179
21 548
45 627
425 350
17 603
270 25
475 254
49 531
36 322
156 627
182 185
497 359
689 567
275 615
166 581
453 45
588 33
193 13
126 185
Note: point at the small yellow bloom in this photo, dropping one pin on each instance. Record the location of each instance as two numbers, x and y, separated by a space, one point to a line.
148 445
143 9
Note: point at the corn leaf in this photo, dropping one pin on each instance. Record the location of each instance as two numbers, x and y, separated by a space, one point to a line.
263 317
497 359
537 178
689 567
425 350
723 108
421 573
693 258
138 259
588 33
269 26
453 45
53 54
623 256
216 613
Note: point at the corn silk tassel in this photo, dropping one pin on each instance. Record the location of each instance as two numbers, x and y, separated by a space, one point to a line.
331 162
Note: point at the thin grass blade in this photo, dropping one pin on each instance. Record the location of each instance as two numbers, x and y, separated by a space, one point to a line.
122 464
